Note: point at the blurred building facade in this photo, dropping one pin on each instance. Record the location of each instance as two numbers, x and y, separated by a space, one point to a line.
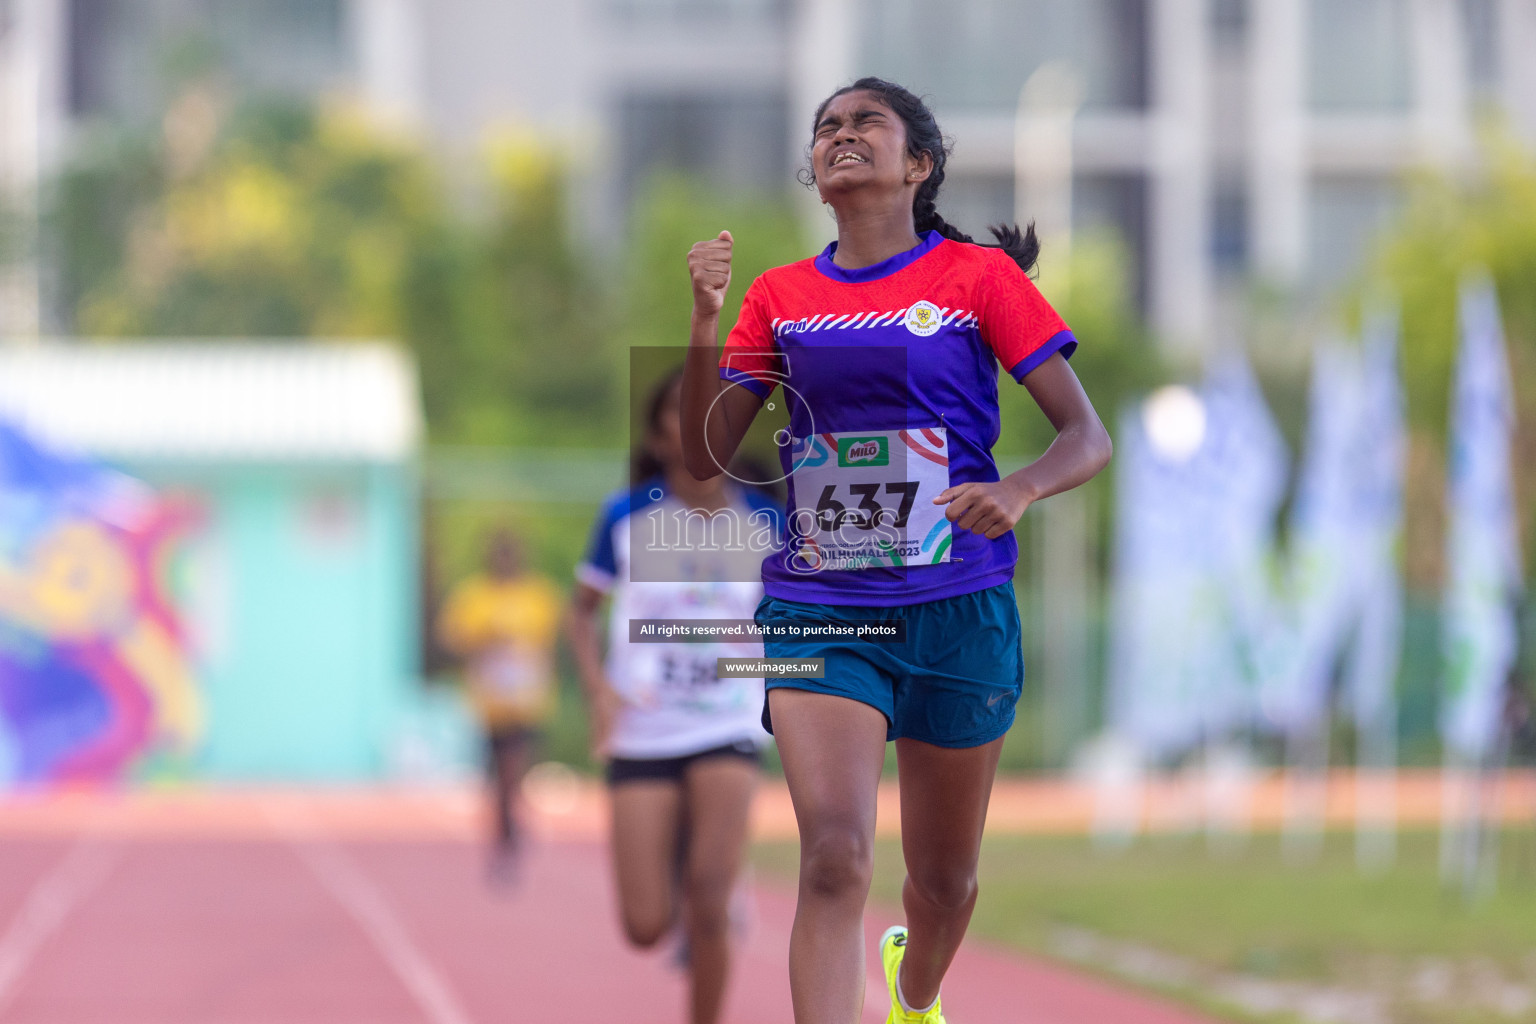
1226 141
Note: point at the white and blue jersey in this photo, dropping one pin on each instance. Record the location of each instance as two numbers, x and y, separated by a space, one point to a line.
659 559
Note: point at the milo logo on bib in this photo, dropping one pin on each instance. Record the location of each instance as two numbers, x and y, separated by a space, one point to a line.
862 451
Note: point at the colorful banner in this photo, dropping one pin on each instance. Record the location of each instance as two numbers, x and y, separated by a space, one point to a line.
1315 615
1343 577
1192 560
1163 600
1243 486
1482 548
95 679
1371 673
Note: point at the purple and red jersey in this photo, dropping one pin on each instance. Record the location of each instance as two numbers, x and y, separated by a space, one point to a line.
912 342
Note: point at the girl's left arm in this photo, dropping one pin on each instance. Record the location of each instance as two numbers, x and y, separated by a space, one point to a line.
1081 448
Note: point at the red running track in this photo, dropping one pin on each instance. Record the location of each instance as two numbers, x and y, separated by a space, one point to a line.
315 930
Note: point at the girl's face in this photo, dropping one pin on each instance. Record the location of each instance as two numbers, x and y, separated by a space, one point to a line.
860 143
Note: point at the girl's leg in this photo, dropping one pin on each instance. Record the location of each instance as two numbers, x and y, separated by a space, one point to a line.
514 756
645 820
833 749
498 784
719 795
944 795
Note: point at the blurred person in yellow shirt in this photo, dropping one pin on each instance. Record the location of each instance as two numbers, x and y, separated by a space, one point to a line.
502 625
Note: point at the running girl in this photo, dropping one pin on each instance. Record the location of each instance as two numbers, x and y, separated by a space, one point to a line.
887 346
502 624
681 745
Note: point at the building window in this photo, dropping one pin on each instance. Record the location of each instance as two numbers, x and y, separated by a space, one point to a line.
702 10
1480 23
1359 55
1347 215
979 53
1115 204
733 142
1229 228
1229 19
972 202
125 54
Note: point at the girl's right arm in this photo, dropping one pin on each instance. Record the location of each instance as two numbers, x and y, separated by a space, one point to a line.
715 417
586 648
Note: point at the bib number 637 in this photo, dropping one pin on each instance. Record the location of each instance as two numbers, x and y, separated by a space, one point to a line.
865 499
833 514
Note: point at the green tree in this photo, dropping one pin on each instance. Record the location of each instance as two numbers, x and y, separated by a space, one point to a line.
1451 226
13 235
671 213
1116 359
282 220
1482 221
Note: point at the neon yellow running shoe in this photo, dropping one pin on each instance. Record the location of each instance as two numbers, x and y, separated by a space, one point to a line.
893 946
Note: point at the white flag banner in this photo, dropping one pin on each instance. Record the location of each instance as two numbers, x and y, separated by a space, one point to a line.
1371 674
1483 577
1343 577
1319 570
1192 554
1162 598
1242 485
1382 452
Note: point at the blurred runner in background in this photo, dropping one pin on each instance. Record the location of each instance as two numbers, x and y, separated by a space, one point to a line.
502 625
681 746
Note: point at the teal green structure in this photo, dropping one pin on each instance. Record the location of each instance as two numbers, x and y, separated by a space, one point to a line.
299 585
314 669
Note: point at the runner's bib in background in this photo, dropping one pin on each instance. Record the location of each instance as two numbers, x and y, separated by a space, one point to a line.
864 498
513 676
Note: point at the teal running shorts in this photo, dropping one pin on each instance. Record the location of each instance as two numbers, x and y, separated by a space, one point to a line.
953 681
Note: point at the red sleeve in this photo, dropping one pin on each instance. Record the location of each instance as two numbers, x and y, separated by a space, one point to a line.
750 357
1016 321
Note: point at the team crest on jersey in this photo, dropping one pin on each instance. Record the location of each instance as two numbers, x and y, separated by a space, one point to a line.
923 318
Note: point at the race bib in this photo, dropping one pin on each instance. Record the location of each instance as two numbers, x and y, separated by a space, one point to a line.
682 677
864 498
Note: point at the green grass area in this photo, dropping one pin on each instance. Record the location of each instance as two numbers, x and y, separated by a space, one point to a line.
1207 926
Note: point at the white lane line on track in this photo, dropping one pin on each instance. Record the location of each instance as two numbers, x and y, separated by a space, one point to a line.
47 905
345 881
